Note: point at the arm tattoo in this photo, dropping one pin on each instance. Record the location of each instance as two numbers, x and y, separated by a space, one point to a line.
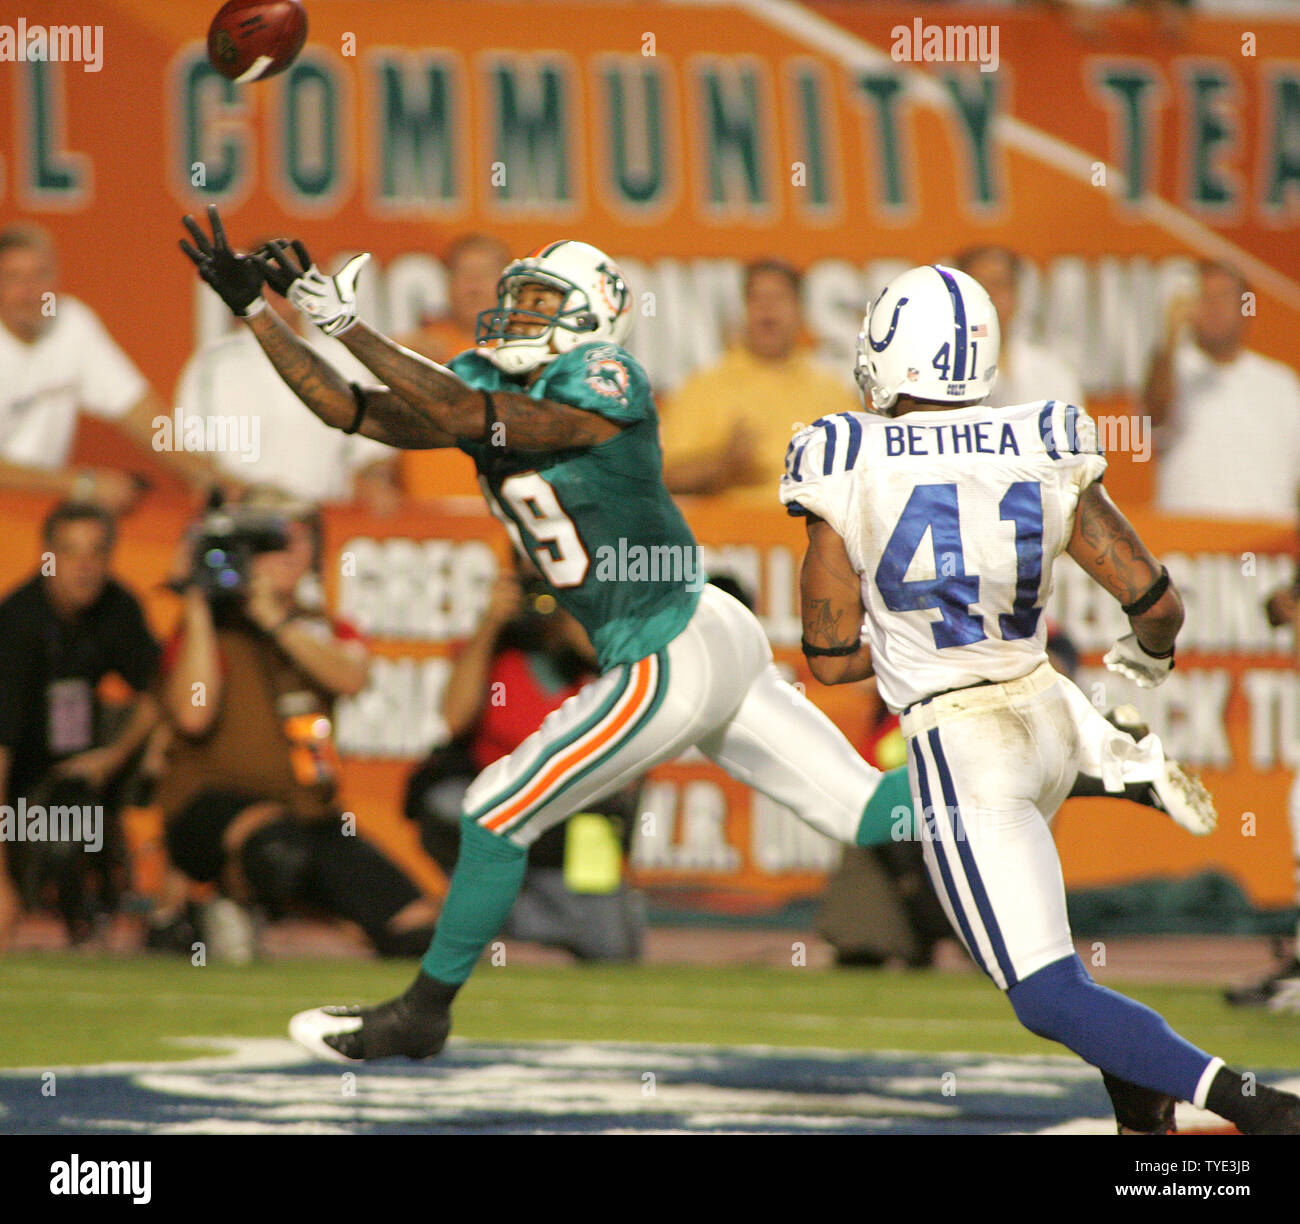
328 394
305 372
390 419
822 625
529 424
832 592
447 402
1114 547
457 409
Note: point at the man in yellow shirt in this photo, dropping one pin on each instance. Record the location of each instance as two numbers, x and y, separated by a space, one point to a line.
727 428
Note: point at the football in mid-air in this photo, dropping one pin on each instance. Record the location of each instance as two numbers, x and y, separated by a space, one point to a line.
250 40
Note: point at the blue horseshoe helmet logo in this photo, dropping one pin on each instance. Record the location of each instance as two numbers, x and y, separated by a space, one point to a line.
882 345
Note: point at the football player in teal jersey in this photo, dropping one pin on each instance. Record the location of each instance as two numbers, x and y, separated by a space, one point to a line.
562 427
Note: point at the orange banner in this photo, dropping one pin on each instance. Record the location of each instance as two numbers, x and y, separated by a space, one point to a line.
688 139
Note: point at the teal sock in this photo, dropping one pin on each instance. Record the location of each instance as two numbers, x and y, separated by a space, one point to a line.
888 814
489 873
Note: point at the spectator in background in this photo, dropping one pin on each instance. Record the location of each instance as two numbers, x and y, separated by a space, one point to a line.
266 438
727 428
61 633
1026 371
524 660
250 786
1227 419
56 359
474 264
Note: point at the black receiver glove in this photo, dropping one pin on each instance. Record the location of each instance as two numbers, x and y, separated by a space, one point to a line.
277 269
238 279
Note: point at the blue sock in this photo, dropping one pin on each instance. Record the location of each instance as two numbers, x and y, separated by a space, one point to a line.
888 814
1061 1002
489 873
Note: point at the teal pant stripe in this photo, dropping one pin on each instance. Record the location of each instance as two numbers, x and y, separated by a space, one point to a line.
661 689
544 759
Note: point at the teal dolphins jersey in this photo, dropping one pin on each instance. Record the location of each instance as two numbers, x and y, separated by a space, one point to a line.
596 521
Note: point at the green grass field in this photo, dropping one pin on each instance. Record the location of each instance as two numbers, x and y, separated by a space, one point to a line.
64 1009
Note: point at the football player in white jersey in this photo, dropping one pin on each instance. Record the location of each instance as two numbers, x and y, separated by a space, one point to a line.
933 524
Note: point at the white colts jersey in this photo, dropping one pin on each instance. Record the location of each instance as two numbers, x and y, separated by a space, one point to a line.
953 518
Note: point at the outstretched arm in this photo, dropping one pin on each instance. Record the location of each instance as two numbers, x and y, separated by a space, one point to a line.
238 280
455 407
1112 554
387 417
831 604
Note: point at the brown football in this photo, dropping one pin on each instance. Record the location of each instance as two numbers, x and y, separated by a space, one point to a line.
250 40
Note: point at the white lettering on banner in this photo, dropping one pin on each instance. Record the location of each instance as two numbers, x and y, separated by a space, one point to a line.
397 714
780 841
416 590
1274 701
652 846
1225 609
702 807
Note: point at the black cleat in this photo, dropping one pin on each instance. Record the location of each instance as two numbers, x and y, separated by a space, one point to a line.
415 1024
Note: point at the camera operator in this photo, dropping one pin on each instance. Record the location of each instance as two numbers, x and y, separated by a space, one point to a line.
61 633
249 792
526 657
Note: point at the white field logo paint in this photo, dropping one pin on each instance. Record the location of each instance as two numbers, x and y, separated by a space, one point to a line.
122 1177
59 822
72 44
235 435
921 43
650 563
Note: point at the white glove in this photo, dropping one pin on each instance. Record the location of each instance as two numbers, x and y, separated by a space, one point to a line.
1128 659
330 301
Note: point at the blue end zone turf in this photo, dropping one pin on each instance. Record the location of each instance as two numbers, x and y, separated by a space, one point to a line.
261 1086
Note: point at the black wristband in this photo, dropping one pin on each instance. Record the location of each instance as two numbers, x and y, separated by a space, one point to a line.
1164 654
828 652
1143 602
359 396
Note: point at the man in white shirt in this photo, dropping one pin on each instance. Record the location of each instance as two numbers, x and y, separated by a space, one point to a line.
1227 418
1026 371
232 399
57 360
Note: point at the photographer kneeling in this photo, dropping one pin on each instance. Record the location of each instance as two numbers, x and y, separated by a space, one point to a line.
249 684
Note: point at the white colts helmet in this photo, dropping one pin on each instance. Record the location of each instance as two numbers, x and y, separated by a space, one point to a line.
597 305
932 334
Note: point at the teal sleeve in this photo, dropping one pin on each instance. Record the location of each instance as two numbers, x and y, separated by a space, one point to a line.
601 378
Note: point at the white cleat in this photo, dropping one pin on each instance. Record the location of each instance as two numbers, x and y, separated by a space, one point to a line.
1184 799
310 1028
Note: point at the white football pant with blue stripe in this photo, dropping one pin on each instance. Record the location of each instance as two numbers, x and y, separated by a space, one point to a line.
989 766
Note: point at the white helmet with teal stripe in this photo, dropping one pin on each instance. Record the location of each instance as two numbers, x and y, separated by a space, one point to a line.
932 334
597 305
